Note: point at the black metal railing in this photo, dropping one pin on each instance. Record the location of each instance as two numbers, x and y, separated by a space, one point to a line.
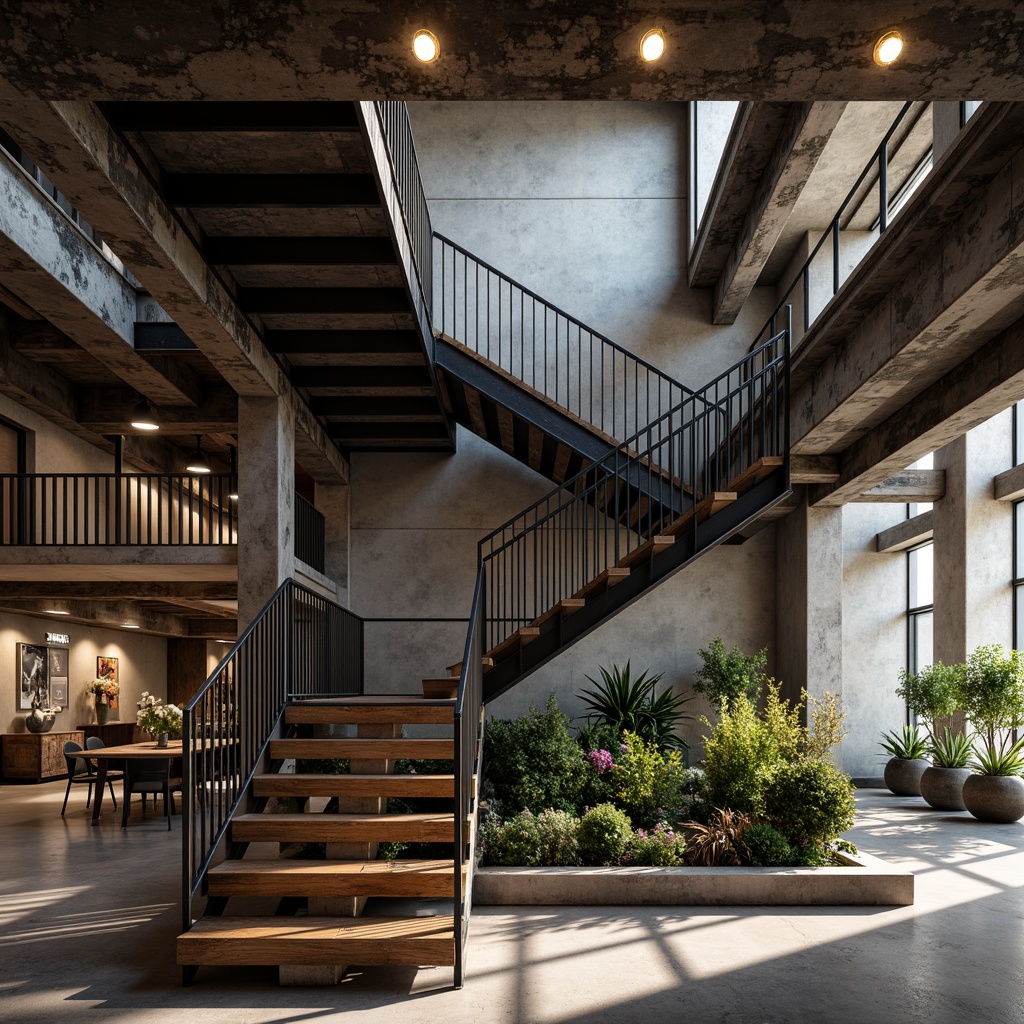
310 534
875 177
89 509
389 135
300 645
644 488
468 739
550 351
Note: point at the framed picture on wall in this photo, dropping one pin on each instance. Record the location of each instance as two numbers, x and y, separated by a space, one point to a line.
59 691
33 680
58 659
106 668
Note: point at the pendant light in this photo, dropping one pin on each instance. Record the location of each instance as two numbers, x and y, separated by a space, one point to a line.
233 467
198 461
143 416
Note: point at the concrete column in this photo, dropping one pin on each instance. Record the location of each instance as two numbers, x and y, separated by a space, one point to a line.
973 538
945 126
266 487
333 502
809 603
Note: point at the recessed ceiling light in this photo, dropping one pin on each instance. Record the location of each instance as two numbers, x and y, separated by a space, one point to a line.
888 48
652 45
129 625
56 611
425 46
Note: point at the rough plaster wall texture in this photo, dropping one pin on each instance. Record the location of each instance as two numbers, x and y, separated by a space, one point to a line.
52 449
874 635
728 592
973 537
142 666
585 203
266 485
791 603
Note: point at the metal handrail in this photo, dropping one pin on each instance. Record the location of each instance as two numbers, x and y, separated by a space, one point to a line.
103 509
310 534
546 348
550 550
879 159
300 645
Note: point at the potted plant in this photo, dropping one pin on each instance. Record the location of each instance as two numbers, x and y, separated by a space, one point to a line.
993 697
906 762
934 695
157 718
996 793
942 784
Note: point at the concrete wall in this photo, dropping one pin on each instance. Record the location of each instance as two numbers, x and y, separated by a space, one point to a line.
874 635
586 204
142 666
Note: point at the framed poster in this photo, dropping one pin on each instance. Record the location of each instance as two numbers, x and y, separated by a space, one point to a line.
106 668
32 676
59 691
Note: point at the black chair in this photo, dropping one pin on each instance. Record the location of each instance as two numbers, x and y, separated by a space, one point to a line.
113 775
80 772
149 775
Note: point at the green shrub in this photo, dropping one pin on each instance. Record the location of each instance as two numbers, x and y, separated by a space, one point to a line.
934 694
768 847
740 757
660 847
727 677
604 834
528 839
533 763
810 802
599 736
646 783
993 691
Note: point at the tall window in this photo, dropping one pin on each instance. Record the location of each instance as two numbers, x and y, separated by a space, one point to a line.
920 607
1018 533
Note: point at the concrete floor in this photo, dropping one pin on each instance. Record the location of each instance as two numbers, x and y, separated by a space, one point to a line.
89 915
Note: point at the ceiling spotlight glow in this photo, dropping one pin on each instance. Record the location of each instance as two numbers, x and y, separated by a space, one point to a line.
198 461
129 625
143 417
652 45
56 611
888 48
425 46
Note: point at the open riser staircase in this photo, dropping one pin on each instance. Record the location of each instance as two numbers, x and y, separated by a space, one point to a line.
649 474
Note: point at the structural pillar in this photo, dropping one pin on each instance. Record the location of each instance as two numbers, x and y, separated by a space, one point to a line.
809 603
333 503
266 489
973 538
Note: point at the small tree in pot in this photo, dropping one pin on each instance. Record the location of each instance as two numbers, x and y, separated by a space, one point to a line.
993 697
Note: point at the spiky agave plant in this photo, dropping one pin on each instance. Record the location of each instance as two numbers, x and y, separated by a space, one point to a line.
909 746
951 749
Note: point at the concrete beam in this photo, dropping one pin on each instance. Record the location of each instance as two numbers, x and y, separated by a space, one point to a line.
912 485
172 592
117 563
109 411
213 629
93 167
813 469
752 138
51 266
800 144
905 535
986 383
1009 486
112 614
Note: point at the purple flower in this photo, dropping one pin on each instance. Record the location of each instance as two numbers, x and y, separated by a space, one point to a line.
601 760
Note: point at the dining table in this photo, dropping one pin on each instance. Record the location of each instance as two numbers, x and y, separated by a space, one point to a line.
127 752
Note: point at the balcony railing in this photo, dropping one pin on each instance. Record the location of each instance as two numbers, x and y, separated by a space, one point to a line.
104 509
309 534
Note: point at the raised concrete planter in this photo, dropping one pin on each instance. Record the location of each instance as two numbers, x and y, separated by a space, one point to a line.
863 881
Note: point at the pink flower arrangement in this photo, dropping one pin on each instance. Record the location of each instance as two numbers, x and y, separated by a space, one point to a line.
601 760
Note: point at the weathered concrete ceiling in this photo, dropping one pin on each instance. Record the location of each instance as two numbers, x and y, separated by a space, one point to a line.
360 49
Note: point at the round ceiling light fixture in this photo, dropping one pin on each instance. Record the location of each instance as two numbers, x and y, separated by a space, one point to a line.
888 48
143 416
652 45
425 46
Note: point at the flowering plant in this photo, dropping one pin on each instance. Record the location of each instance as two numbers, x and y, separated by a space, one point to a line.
156 717
103 688
601 760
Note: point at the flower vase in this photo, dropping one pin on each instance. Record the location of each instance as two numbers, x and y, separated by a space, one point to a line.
162 738
102 711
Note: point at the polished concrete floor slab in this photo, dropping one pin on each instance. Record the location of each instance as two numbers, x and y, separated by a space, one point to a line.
88 918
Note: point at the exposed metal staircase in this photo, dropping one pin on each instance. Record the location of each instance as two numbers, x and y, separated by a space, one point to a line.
649 475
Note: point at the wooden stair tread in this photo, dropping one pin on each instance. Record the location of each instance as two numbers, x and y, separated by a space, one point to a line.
359 828
443 749
308 784
609 578
410 878
455 670
565 608
271 941
397 709
646 550
703 510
